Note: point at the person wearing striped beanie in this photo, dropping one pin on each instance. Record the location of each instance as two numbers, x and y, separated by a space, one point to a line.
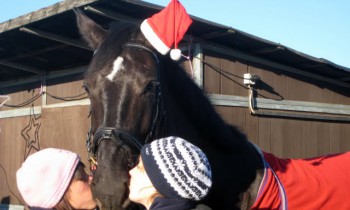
55 179
171 174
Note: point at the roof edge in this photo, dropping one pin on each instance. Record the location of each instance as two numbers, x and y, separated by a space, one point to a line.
42 13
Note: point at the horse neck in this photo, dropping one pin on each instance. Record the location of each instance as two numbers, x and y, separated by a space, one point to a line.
190 113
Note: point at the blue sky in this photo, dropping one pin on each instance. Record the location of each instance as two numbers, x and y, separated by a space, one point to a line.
318 28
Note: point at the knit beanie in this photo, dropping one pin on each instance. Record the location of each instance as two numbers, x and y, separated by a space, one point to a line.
44 176
177 168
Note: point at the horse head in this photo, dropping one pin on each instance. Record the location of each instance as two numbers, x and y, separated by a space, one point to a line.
118 84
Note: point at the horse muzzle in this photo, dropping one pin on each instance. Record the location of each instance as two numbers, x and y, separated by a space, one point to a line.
113 151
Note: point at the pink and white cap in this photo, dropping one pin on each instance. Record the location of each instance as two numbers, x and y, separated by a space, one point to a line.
45 176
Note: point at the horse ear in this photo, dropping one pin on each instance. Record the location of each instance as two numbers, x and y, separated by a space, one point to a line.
93 33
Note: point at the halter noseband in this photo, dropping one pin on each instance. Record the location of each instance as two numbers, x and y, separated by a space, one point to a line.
121 137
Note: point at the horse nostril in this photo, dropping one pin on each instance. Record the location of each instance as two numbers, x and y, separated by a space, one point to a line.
92 184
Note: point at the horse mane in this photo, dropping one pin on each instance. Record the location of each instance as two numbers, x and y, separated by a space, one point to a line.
198 108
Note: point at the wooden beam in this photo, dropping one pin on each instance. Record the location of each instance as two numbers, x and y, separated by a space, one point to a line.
110 14
21 67
54 37
34 53
50 75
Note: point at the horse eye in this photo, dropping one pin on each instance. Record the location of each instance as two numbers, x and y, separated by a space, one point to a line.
86 88
151 86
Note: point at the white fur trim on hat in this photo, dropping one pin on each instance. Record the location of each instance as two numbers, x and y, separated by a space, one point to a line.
153 38
175 54
45 175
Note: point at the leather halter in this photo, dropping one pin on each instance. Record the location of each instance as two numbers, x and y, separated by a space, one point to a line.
121 137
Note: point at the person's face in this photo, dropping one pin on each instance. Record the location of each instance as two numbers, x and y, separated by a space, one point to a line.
141 188
80 194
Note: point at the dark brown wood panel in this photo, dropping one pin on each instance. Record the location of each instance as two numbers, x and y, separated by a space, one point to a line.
324 138
297 90
211 78
345 137
289 136
315 94
312 136
225 113
231 78
265 133
335 138
277 136
19 95
239 118
252 127
65 128
301 141
69 87
11 155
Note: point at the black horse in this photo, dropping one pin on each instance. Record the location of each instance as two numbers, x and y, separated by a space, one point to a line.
138 95
142 96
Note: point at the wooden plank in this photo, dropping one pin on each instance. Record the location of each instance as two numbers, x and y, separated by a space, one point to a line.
65 128
301 141
344 137
65 87
265 134
277 136
3 141
225 112
280 87
296 90
228 78
16 153
238 118
315 93
324 138
211 77
335 137
10 157
252 127
22 94
265 85
326 96
312 136
290 135
239 88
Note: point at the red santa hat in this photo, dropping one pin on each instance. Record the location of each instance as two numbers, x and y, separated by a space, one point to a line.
166 28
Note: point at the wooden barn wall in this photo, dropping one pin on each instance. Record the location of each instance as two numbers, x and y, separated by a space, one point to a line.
293 138
61 127
66 127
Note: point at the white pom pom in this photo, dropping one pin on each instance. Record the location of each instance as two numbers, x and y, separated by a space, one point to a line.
175 54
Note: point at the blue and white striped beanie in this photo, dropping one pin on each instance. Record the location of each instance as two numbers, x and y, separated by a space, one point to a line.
177 168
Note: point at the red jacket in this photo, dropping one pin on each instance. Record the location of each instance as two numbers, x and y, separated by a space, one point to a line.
321 183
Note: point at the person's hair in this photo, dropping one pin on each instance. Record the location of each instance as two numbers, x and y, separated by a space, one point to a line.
79 175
